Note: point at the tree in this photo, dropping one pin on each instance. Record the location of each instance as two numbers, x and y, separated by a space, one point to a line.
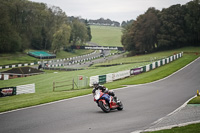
172 30
79 33
140 36
88 31
127 38
10 40
173 27
146 30
61 38
192 19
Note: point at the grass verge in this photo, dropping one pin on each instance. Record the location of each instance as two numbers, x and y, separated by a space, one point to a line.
193 128
195 100
44 93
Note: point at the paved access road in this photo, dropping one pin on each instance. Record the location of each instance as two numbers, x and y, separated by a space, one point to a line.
143 105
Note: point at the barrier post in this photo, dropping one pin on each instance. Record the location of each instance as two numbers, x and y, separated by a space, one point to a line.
73 84
53 86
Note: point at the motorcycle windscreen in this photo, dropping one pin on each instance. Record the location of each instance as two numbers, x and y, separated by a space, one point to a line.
97 96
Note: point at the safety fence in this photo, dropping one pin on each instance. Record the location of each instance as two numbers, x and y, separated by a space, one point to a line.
65 84
135 71
78 82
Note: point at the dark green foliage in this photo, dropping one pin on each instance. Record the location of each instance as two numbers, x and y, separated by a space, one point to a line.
173 27
25 24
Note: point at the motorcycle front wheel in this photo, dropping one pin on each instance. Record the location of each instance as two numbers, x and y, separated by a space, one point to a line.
104 107
120 106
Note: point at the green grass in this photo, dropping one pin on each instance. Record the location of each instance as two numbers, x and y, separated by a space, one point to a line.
195 100
146 59
17 58
193 128
106 35
64 54
44 82
157 74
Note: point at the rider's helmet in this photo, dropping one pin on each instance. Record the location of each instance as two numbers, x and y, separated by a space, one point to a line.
95 84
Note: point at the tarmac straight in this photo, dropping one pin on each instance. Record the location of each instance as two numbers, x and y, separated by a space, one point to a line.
143 105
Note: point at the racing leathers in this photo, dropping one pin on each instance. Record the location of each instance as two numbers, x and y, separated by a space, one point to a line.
105 90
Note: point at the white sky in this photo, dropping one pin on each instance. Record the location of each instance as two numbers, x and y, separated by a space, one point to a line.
118 10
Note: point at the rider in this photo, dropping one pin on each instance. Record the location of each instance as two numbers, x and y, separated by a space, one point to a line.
97 86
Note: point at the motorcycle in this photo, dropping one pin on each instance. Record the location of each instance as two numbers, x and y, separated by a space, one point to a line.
106 102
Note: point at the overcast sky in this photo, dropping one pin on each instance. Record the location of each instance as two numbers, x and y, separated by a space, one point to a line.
118 10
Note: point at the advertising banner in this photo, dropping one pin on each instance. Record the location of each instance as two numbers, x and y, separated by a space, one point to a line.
121 74
93 79
25 89
98 47
136 71
102 79
109 77
7 91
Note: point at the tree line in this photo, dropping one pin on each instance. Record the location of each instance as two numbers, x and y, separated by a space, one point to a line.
102 21
173 27
30 25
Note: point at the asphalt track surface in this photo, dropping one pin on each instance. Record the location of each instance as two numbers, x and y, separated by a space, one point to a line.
143 105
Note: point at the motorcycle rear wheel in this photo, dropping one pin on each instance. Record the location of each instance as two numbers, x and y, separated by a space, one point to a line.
104 107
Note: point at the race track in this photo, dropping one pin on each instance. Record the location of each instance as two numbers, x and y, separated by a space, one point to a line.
143 105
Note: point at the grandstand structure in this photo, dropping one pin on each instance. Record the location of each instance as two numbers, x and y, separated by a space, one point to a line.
41 55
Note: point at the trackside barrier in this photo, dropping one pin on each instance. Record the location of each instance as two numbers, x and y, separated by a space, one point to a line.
7 91
25 89
102 79
123 74
94 79
65 83
109 77
21 89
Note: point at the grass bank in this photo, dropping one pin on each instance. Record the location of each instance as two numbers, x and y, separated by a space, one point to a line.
44 82
17 58
195 100
193 128
106 35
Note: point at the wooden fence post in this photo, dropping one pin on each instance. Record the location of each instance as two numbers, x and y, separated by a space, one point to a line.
53 86
73 84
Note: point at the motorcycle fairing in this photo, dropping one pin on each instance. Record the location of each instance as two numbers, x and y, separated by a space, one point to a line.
106 97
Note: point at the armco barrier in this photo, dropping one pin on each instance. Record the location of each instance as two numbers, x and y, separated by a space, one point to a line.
122 74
